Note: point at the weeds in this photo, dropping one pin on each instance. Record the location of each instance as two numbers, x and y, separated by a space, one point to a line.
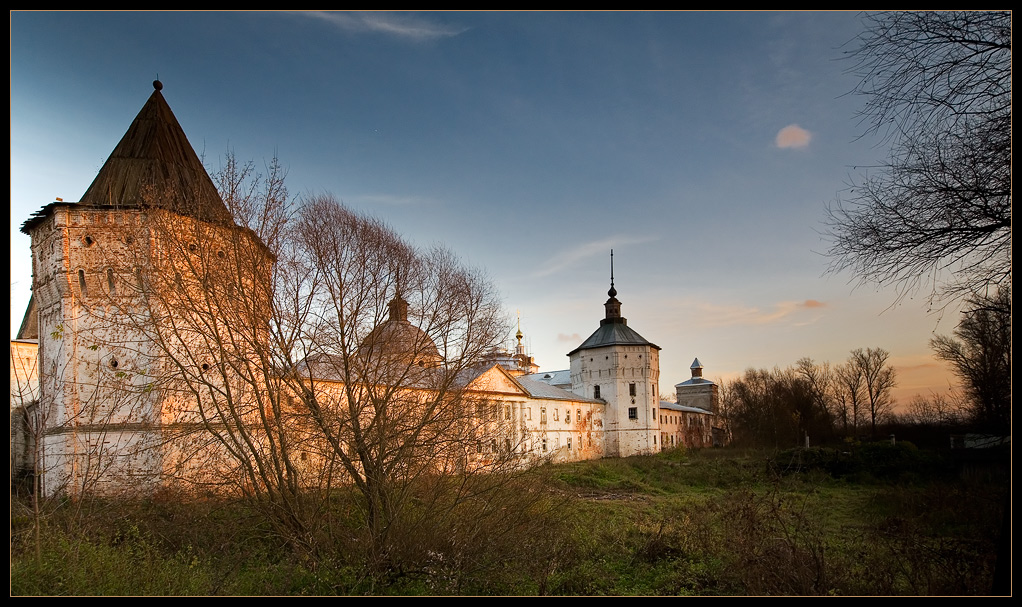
684 523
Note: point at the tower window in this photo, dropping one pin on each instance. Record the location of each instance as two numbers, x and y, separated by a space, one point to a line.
81 283
110 281
631 389
596 392
633 413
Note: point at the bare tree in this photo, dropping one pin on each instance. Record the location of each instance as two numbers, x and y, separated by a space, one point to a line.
878 379
935 410
937 212
393 336
307 348
980 353
849 391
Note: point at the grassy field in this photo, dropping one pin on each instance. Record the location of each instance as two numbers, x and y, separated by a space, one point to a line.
878 520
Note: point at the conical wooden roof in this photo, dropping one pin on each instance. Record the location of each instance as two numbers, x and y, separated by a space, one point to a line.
154 165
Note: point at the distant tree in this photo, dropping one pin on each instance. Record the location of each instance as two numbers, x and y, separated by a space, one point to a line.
938 410
980 353
937 212
819 379
848 388
878 379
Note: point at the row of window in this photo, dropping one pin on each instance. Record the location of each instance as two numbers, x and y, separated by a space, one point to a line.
544 444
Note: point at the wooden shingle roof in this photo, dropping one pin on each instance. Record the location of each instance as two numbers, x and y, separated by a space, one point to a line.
154 166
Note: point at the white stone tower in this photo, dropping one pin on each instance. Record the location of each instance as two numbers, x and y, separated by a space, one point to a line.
620 367
101 412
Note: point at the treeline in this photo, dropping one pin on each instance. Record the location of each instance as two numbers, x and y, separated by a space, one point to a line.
809 402
820 403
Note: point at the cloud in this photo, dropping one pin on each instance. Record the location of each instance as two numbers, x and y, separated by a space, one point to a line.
390 200
793 136
574 338
730 316
400 25
571 257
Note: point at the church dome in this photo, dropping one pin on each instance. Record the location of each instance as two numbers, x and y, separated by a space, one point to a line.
397 339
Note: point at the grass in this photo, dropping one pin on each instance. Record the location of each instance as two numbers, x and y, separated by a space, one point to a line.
713 522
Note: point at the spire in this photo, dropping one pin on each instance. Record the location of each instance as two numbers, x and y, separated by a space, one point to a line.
613 306
519 349
697 368
154 165
398 307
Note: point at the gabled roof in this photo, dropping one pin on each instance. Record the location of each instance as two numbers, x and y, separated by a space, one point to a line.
498 380
153 165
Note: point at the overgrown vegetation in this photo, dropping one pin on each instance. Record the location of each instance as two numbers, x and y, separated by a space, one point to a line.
875 519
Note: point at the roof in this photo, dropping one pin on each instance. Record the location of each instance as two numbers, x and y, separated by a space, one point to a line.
664 404
613 334
30 323
541 389
553 378
695 381
153 165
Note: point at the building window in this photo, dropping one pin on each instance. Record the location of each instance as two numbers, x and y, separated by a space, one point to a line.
633 413
578 414
544 444
507 411
555 414
596 392
567 416
81 283
654 412
110 281
542 416
631 389
569 443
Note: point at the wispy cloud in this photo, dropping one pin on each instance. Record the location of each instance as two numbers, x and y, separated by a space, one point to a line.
793 136
730 316
402 25
574 338
390 200
571 257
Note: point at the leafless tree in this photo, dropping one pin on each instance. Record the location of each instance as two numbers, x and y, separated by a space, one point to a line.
935 410
307 349
980 353
937 212
878 379
849 390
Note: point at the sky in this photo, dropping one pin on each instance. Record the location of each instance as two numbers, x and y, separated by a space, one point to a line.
702 147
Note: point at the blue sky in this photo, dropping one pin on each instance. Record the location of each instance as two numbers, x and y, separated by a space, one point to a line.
702 147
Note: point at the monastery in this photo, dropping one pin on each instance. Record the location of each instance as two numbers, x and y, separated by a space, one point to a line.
86 413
